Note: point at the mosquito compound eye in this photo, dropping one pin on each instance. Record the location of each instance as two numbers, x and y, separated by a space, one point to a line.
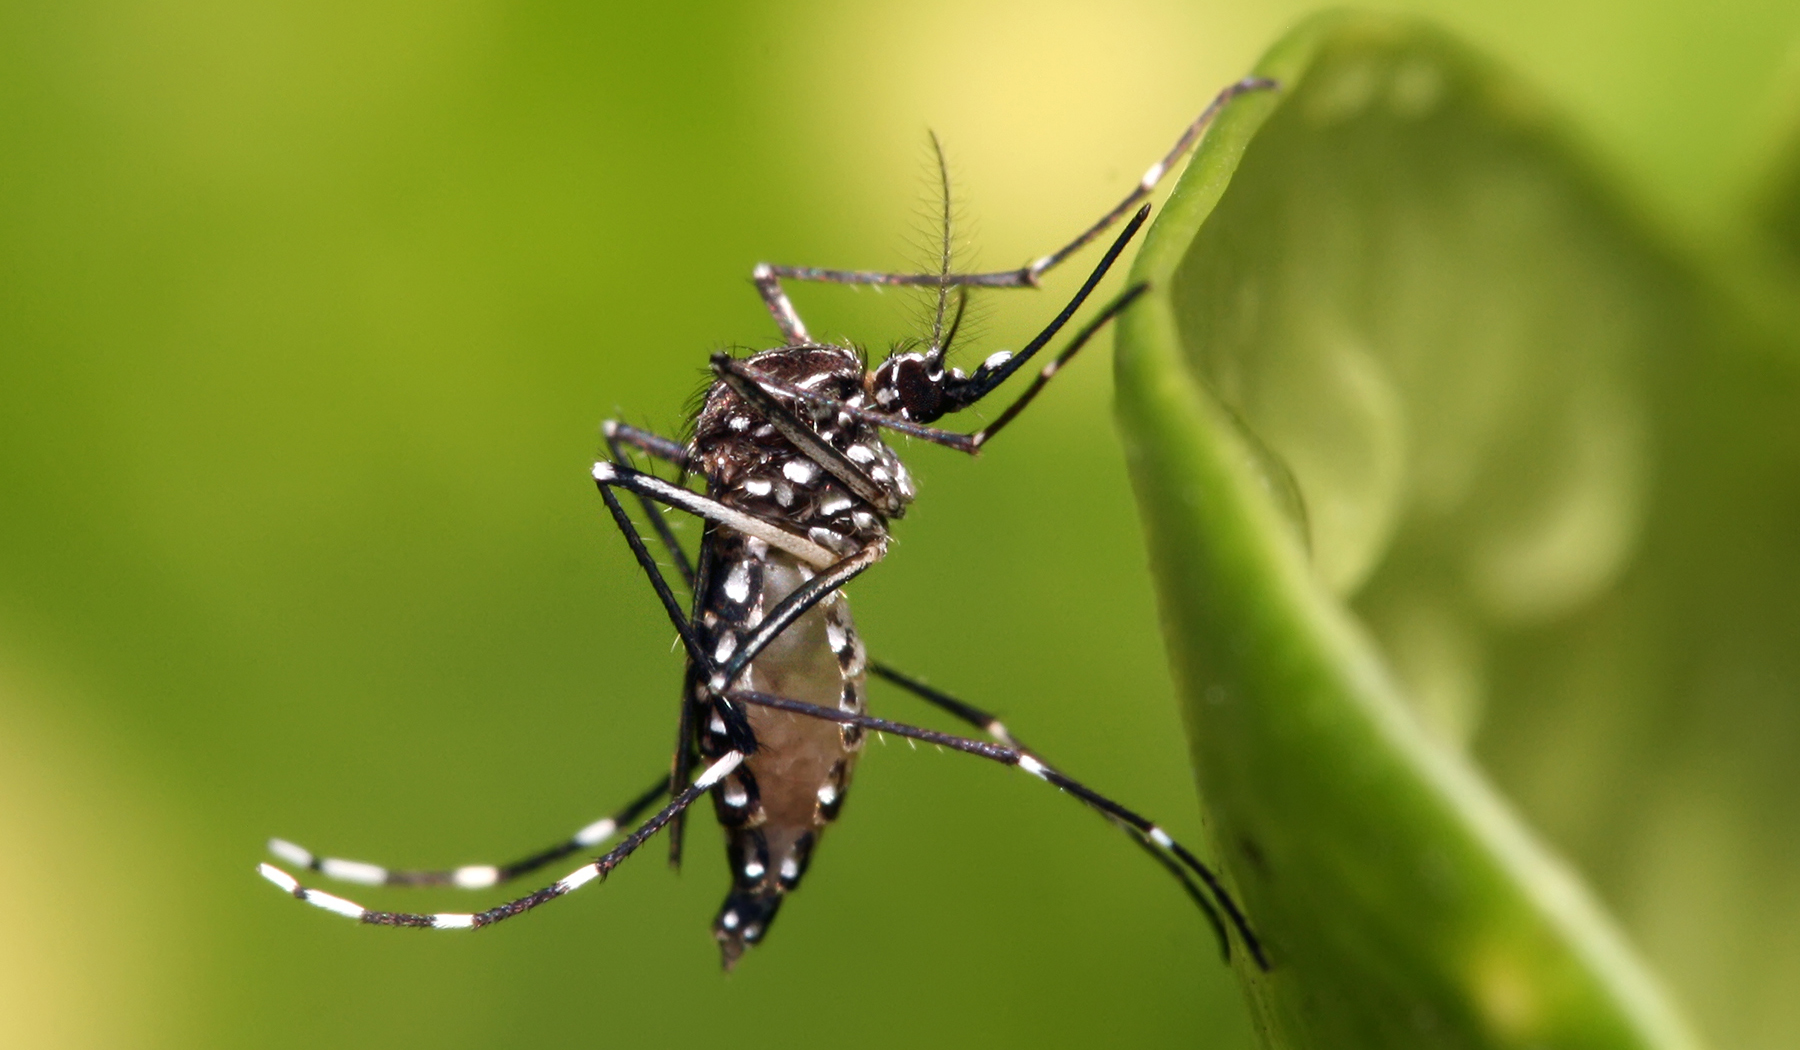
920 396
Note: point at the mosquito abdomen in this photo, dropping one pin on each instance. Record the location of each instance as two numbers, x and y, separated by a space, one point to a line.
775 806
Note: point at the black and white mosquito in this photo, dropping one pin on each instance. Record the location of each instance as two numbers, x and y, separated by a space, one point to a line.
799 491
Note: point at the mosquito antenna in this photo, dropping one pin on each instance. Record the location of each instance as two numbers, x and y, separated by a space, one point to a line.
936 352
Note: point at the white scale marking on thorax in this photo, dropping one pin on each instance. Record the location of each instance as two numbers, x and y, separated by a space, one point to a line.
737 582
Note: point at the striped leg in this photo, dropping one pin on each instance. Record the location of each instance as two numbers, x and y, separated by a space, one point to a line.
1030 763
618 437
653 499
1002 368
617 475
569 883
1149 837
469 876
768 278
968 713
837 571
974 716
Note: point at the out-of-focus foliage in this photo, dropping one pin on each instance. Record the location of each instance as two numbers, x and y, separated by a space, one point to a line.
1423 415
308 316
1410 377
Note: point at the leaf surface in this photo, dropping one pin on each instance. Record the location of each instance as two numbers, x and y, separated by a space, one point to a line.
1398 398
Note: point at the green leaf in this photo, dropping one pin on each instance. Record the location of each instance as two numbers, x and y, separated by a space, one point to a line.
1399 398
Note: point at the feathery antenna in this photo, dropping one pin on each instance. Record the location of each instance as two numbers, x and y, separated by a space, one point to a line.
936 351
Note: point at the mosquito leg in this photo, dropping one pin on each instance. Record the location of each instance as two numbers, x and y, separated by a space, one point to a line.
988 723
609 475
619 436
970 443
1193 890
469 876
649 442
838 571
1013 756
959 391
1113 309
768 278
681 767
968 714
569 883
683 626
768 285
1154 175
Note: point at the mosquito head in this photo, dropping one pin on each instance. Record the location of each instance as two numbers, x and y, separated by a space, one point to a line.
914 383
910 384
916 386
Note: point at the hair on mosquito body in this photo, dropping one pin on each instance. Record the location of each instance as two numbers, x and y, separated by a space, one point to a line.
786 462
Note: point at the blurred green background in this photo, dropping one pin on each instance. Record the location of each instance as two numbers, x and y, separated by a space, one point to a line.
308 318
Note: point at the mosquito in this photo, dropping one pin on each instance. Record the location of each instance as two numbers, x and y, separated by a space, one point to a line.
800 489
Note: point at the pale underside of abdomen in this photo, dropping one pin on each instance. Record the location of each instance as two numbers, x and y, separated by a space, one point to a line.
793 785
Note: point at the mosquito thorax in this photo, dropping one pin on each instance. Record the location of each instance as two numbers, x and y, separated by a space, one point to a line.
756 469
